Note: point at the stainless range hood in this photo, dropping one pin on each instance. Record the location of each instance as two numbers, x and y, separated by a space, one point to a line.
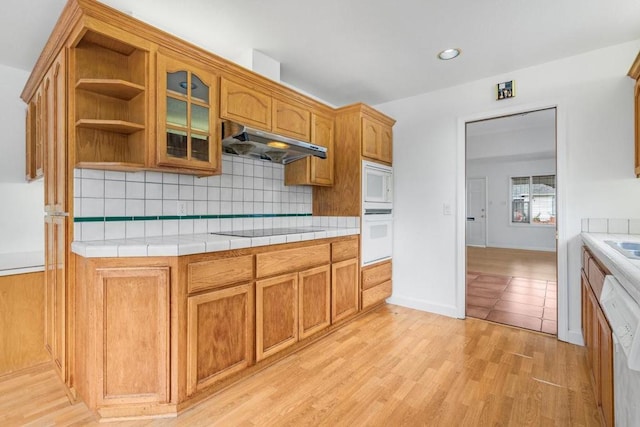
258 144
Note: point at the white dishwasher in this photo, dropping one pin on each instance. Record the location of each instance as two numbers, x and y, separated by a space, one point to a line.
623 313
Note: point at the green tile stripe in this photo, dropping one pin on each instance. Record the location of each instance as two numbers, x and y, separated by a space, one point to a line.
176 217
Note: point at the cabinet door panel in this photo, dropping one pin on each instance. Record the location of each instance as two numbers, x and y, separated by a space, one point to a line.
187 116
371 139
314 300
291 120
134 360
220 335
244 105
386 144
276 314
606 368
344 289
322 133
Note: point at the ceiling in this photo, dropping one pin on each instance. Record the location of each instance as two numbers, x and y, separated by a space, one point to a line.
360 50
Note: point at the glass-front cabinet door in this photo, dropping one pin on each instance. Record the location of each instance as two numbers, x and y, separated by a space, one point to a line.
187 125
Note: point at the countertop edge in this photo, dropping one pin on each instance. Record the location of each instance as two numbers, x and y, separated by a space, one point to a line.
190 244
626 271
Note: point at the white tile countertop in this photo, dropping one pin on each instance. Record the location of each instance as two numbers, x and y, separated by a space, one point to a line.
188 244
21 262
626 270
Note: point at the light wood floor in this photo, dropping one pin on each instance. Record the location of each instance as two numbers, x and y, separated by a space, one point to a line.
393 367
512 262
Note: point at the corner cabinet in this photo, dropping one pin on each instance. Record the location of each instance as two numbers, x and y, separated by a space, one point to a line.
634 73
187 116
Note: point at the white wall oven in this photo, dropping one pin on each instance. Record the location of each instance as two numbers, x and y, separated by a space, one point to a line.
377 212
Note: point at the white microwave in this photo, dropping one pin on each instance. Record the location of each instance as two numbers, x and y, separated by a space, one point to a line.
377 183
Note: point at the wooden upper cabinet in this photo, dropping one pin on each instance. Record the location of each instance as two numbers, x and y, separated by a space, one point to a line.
377 140
314 170
52 134
291 120
34 156
245 105
634 73
187 119
371 139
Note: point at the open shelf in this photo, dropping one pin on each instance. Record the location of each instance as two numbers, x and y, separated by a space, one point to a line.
115 88
117 126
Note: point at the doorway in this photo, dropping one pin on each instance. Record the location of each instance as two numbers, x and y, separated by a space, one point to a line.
511 207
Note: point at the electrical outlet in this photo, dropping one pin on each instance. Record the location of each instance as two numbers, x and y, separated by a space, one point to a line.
182 208
446 209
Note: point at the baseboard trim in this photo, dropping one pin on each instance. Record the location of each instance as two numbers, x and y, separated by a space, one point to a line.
422 305
531 248
574 337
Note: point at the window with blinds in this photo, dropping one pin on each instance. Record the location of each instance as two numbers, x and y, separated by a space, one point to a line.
533 200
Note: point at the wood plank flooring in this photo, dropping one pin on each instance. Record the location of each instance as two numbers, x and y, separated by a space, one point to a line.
513 262
392 367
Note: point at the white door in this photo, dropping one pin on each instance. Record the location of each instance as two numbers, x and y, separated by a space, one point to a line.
476 212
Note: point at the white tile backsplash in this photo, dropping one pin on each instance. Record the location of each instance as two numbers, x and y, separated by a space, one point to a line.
618 226
610 225
246 187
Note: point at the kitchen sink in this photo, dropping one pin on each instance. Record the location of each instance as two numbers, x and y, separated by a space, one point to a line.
628 249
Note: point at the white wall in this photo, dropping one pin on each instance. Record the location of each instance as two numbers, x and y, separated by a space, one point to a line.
596 100
21 220
500 232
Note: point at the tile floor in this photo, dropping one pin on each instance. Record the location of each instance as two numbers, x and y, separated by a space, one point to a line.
521 302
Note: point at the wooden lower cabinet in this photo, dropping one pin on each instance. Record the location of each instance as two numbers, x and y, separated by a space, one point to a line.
276 314
123 331
598 338
132 319
56 294
155 335
606 368
376 283
314 301
220 335
344 287
22 322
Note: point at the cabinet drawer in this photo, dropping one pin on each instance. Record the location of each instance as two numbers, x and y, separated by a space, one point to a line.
220 272
376 294
288 260
346 249
375 275
596 277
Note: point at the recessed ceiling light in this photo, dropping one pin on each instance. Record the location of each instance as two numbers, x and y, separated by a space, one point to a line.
447 54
